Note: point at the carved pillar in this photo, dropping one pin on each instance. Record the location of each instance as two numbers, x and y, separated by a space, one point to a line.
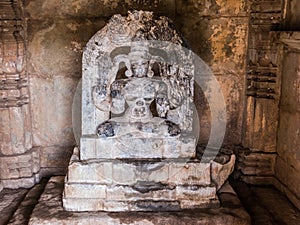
16 162
263 92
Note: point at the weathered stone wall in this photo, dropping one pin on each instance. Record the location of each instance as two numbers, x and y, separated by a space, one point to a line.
217 31
287 167
292 15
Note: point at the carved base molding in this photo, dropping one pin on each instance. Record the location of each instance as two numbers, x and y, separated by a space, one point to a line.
20 170
25 170
256 164
257 168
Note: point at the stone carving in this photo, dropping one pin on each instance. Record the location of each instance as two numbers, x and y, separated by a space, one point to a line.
138 91
15 119
13 79
262 78
137 147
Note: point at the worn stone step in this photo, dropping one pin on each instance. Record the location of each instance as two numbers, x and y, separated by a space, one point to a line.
26 206
140 197
266 205
9 202
279 207
49 210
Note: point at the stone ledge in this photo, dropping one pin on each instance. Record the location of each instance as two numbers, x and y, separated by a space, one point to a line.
24 182
119 172
182 146
49 210
78 197
20 166
82 205
168 171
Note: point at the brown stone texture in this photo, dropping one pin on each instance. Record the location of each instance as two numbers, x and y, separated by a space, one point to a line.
217 32
54 65
266 205
52 111
292 17
105 8
257 156
15 134
256 167
9 202
287 167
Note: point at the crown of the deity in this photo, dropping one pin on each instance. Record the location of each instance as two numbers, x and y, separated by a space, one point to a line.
139 49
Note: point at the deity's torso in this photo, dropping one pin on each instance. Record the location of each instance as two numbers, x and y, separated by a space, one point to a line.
139 93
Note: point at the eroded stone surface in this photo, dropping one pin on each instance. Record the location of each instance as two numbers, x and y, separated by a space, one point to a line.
25 208
128 173
266 205
9 201
84 8
221 172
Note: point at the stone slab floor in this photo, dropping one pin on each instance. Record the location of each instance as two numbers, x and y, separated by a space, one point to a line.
264 204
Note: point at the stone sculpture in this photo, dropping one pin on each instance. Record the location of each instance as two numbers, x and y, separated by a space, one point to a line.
138 91
137 147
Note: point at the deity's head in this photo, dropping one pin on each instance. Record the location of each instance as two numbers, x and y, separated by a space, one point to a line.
139 59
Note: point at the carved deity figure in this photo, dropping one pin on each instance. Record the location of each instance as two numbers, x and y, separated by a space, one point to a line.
130 99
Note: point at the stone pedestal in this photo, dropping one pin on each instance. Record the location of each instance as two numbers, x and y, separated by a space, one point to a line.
143 185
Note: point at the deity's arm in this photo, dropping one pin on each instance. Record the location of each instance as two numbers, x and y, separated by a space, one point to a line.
162 102
176 92
117 97
101 99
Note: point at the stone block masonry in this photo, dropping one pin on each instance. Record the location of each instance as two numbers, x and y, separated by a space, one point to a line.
143 185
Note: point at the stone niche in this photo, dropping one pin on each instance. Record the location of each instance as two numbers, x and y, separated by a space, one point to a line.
138 140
